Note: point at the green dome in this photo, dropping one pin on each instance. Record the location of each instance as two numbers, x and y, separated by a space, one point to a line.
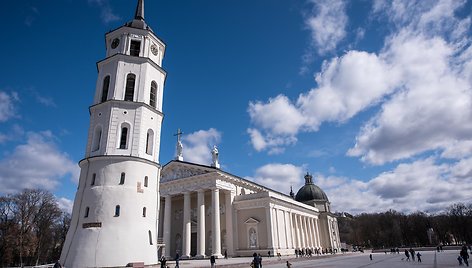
310 191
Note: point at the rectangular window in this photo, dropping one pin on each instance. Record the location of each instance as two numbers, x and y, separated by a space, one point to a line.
93 179
124 138
122 178
135 48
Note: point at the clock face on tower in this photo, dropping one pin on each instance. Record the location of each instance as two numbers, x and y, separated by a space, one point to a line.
115 43
154 50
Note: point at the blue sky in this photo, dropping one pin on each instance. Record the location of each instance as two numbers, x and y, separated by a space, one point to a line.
372 97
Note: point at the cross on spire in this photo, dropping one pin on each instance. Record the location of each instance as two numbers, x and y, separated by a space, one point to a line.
178 134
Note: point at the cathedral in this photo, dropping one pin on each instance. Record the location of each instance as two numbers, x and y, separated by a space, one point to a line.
206 211
130 209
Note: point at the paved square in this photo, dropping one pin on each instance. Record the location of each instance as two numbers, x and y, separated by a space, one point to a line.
430 259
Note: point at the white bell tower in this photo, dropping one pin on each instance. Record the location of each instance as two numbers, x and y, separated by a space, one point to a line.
115 213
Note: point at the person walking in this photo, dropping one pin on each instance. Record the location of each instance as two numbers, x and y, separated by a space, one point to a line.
255 261
465 255
407 254
412 253
418 256
163 262
289 265
212 261
177 259
370 256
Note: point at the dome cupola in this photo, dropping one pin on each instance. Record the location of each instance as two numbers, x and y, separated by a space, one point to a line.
310 191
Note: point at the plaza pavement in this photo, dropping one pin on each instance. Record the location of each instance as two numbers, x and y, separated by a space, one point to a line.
430 259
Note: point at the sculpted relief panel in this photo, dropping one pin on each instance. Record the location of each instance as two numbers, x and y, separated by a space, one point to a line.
179 173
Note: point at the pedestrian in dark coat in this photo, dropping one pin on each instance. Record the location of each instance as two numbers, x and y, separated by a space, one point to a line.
418 256
212 261
177 259
465 255
407 254
163 262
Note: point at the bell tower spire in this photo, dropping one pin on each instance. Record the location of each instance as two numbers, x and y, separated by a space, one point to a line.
139 14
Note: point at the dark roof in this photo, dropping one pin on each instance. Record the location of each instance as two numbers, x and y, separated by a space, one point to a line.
310 191
138 21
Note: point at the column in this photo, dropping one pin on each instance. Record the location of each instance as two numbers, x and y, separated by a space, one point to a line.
318 234
275 219
286 229
270 238
310 232
298 244
167 225
229 222
215 225
303 228
201 224
186 228
292 230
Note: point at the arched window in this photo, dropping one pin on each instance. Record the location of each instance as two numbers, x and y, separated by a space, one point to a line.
117 211
144 211
86 212
153 95
146 181
129 91
149 141
105 86
94 175
150 237
97 136
122 178
124 137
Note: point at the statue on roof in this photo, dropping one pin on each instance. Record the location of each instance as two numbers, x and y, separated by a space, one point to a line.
214 157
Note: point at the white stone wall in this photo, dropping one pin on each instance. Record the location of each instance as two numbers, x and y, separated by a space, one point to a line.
104 245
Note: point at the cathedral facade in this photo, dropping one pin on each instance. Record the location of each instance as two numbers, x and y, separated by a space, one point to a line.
206 211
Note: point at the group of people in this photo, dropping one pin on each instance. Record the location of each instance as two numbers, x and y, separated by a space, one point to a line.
411 253
316 251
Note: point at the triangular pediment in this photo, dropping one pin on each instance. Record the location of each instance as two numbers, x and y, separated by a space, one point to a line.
251 220
176 170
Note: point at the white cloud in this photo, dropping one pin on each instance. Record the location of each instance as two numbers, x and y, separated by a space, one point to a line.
278 115
436 92
421 80
346 86
65 204
422 185
327 24
36 164
107 15
278 119
279 177
7 105
197 145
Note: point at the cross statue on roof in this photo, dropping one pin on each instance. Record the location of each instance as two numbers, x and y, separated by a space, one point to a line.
179 147
178 134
